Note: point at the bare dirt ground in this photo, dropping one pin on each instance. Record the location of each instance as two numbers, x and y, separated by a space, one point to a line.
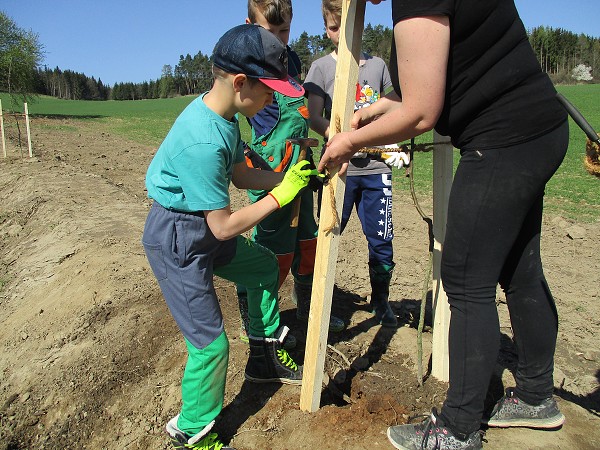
91 358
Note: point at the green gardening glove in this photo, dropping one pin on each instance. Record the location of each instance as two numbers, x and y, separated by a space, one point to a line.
293 182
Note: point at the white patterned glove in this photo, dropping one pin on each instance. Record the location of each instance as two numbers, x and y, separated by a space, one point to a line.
395 159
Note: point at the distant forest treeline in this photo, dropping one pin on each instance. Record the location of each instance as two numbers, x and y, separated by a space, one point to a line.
558 51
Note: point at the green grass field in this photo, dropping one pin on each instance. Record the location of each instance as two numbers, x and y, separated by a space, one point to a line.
572 192
144 121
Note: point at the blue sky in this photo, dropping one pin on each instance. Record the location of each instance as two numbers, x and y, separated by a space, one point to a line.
131 40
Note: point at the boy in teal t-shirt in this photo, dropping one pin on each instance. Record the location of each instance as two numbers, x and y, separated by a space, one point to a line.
191 233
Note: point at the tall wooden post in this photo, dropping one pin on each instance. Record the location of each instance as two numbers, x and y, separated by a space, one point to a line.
346 76
442 182
28 129
2 130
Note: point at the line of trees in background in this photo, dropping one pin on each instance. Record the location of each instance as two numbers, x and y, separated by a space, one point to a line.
562 54
565 56
192 75
70 85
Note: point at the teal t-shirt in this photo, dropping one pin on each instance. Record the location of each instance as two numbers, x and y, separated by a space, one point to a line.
192 169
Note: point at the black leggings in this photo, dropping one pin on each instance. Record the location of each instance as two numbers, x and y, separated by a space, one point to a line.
493 236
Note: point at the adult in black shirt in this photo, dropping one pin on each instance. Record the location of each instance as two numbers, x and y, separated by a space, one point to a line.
466 68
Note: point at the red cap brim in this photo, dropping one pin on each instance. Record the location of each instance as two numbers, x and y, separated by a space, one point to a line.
289 87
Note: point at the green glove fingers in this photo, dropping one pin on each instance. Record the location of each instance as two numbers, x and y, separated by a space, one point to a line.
293 182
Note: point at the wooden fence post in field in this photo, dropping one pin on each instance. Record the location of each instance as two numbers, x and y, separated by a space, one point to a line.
442 182
346 76
28 130
2 130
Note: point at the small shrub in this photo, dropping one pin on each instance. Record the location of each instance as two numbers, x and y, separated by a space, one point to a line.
581 72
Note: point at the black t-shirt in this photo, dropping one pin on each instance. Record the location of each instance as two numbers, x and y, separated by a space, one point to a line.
496 92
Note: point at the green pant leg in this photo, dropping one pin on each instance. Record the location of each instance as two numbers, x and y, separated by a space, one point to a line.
275 233
255 267
303 264
203 385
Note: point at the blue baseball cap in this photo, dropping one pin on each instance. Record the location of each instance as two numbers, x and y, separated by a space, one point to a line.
256 52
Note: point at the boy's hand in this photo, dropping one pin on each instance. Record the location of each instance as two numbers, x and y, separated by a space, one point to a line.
293 182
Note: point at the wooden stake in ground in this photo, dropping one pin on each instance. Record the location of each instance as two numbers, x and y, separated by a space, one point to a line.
346 76
442 182
27 128
2 130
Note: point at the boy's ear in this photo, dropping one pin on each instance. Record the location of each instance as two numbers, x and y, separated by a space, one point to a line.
238 81
248 21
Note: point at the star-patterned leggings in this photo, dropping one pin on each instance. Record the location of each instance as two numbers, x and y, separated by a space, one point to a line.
372 196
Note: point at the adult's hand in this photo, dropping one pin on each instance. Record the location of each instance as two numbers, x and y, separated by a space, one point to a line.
360 118
339 150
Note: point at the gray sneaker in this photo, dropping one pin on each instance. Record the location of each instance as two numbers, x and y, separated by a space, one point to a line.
510 411
431 435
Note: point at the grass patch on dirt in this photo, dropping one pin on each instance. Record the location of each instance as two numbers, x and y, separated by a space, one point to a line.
572 192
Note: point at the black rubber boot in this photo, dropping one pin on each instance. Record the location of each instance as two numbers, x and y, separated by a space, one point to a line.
270 362
301 295
380 291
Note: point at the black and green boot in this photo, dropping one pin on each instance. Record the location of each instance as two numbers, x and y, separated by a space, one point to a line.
380 277
270 362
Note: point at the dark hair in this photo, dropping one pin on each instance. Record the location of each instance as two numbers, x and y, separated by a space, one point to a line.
275 11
